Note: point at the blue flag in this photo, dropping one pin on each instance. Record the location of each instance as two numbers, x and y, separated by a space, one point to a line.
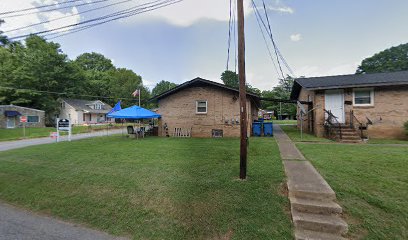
116 108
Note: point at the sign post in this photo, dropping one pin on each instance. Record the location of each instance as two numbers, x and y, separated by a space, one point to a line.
64 125
23 119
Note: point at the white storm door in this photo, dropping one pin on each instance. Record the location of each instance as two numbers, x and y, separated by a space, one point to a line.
11 122
334 102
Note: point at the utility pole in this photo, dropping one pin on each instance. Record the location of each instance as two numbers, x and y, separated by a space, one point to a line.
242 91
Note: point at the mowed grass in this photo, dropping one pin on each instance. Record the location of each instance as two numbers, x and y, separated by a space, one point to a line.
31 132
293 122
371 183
294 134
155 188
386 141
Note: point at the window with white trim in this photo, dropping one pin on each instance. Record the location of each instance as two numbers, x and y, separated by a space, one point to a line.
98 106
201 107
363 97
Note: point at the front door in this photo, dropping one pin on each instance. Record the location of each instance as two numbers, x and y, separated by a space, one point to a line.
334 102
11 122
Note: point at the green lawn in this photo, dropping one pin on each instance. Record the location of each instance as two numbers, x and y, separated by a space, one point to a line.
17 133
371 183
387 141
155 188
294 134
294 122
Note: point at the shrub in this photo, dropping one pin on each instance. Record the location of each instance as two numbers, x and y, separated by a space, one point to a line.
406 127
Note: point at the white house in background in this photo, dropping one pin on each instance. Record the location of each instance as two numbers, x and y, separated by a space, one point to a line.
84 111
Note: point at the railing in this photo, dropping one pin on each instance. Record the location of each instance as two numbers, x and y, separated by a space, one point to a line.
353 119
331 125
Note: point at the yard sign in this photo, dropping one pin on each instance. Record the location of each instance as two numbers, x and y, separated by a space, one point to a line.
64 125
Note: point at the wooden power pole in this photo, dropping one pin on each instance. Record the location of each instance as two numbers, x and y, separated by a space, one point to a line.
242 91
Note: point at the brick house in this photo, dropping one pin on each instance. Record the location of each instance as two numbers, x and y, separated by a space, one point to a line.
10 116
206 108
366 105
84 111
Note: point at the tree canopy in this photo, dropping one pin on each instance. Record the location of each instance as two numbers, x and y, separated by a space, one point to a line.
162 86
282 91
390 60
37 73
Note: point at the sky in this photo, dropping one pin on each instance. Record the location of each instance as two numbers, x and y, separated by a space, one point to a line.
189 39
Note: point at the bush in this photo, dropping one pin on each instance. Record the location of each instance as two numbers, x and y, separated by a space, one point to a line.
406 127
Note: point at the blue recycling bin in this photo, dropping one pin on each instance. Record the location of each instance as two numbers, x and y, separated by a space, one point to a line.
268 129
257 129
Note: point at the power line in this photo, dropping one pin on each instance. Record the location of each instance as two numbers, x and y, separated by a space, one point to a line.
62 93
229 32
54 9
121 14
71 31
43 6
273 41
55 19
264 38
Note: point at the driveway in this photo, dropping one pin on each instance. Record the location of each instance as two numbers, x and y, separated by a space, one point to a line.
17 224
38 141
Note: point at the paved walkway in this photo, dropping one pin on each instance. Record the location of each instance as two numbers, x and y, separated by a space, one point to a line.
313 207
38 141
17 224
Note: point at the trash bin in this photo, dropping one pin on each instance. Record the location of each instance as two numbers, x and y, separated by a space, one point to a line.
268 129
256 129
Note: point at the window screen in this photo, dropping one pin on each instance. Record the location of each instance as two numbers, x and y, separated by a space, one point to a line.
201 106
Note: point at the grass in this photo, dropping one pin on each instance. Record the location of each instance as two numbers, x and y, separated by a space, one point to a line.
17 133
294 134
386 141
371 184
155 188
294 122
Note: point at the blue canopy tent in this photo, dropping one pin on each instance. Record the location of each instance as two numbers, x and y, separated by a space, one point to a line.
134 113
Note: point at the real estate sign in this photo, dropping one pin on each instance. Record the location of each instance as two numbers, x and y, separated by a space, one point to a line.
63 125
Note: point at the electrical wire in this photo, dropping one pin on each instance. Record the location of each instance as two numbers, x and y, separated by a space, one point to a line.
118 15
71 31
54 9
273 41
39 7
264 38
55 19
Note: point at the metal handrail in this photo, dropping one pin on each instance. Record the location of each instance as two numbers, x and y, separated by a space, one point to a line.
352 118
329 122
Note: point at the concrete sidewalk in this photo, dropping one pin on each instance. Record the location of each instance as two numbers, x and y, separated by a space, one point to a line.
315 213
17 224
4 146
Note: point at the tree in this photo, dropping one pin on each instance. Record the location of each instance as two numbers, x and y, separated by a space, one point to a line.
95 62
230 79
123 83
282 91
3 39
42 69
162 86
389 60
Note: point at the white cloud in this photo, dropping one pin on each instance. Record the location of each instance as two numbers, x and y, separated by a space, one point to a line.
315 71
296 37
283 9
28 19
188 12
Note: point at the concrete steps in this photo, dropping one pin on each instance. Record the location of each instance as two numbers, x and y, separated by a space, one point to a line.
315 213
312 235
326 223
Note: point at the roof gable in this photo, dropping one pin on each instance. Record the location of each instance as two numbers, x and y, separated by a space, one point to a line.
84 105
199 82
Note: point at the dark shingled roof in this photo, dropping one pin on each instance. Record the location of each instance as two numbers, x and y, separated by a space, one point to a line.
83 105
201 82
349 81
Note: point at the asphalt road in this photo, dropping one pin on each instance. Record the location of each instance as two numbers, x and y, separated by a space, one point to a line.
38 141
17 224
